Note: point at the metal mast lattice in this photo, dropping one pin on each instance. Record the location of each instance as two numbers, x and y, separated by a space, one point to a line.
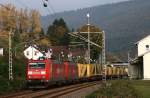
88 24
104 72
10 57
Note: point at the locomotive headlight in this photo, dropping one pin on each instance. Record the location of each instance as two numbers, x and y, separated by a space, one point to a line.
43 77
29 72
43 72
29 77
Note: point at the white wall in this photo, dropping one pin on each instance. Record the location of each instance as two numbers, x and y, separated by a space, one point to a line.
142 45
146 66
32 53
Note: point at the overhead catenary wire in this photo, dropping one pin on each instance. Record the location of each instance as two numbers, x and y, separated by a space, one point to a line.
24 5
49 11
44 3
84 39
51 6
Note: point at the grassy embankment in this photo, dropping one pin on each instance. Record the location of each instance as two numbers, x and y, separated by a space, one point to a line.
123 89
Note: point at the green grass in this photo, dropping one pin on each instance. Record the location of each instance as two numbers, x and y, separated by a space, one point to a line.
144 90
123 89
143 87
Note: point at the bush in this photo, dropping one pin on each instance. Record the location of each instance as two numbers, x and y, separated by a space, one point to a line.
18 73
10 86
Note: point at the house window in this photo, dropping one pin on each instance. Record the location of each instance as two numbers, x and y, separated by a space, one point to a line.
27 52
35 53
147 47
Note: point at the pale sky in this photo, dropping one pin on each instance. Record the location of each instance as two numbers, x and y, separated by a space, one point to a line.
57 5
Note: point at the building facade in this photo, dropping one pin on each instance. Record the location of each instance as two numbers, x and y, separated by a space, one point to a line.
143 45
32 53
140 66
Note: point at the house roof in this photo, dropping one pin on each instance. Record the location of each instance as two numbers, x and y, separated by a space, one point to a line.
58 49
142 39
34 46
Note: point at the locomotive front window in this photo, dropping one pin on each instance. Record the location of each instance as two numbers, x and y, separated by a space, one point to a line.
36 65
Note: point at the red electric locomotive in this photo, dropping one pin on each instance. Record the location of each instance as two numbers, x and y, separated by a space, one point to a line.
44 72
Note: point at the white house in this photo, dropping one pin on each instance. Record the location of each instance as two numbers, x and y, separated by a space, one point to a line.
141 66
143 45
1 51
49 53
32 53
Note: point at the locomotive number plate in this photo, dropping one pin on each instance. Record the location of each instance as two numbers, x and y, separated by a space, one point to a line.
36 72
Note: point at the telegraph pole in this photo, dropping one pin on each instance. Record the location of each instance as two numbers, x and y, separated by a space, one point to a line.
88 24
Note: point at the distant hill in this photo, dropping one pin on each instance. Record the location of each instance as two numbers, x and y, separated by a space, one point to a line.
124 23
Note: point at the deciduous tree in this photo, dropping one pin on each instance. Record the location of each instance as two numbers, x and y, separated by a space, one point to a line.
94 37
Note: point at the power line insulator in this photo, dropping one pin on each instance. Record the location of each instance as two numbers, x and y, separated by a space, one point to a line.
45 2
45 5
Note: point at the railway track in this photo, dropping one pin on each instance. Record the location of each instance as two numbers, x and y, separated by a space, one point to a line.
17 94
51 93
64 91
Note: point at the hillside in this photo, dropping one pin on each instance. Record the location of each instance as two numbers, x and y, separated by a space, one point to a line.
124 23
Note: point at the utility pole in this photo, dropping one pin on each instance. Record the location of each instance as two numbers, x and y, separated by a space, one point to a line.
10 56
77 34
129 59
45 3
104 67
88 24
10 46
103 49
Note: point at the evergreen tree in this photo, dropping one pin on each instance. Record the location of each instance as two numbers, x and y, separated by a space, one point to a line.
58 32
16 37
42 33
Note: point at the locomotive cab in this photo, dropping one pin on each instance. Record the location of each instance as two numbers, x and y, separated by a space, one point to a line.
37 72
